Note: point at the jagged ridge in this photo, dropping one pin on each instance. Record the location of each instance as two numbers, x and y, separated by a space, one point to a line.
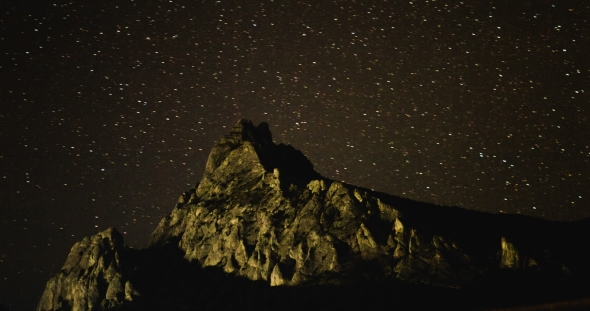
262 212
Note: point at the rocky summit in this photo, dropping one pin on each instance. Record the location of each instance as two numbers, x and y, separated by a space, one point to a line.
263 230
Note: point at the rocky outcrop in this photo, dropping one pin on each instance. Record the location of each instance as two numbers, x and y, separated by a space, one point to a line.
262 213
94 276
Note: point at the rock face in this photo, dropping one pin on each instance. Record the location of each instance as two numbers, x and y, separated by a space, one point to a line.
93 277
262 213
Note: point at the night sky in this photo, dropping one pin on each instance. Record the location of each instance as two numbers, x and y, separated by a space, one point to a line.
110 108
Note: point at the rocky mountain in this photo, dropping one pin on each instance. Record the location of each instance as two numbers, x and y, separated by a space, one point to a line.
94 276
270 229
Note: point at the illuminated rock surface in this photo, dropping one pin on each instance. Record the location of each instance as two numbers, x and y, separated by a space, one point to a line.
261 213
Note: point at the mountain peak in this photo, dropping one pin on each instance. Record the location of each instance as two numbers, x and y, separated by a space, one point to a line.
93 275
248 152
245 130
262 213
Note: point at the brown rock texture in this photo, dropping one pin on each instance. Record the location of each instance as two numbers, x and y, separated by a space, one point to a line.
262 213
93 276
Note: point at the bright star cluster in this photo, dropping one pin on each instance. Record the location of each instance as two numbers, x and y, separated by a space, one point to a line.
109 108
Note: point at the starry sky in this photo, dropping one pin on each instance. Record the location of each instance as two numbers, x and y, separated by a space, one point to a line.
110 108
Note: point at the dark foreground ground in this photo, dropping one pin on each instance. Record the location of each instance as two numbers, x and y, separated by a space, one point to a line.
171 283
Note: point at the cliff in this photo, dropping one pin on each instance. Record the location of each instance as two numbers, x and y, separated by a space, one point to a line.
94 276
262 213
